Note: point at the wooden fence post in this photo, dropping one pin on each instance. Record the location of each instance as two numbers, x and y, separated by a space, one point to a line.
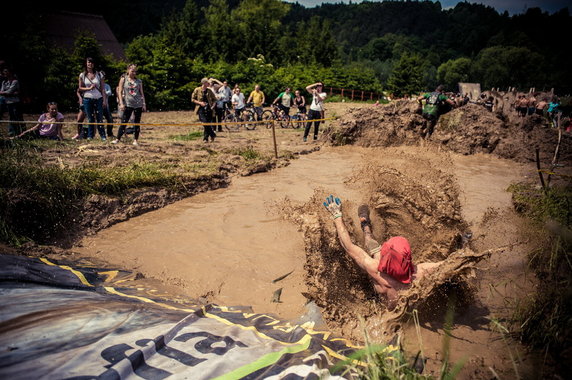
342 93
352 94
274 140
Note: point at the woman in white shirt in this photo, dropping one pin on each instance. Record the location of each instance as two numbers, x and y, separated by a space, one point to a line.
316 108
92 85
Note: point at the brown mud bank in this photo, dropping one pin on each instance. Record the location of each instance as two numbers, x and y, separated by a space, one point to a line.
177 169
469 129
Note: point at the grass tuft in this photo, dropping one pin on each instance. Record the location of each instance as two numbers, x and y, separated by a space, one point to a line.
191 136
544 320
37 196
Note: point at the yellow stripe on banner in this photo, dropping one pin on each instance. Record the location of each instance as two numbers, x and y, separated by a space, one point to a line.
346 342
251 328
77 273
109 274
111 290
342 357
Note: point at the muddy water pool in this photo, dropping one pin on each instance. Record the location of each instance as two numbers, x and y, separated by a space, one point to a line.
227 246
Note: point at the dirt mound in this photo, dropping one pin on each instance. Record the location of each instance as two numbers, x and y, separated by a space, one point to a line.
472 129
421 204
468 129
389 125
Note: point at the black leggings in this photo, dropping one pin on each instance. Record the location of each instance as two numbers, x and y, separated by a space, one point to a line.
126 116
311 116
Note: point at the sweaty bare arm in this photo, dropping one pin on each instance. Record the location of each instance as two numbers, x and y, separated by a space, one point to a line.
382 282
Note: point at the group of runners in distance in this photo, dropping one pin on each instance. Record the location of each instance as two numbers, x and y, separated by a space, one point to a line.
532 103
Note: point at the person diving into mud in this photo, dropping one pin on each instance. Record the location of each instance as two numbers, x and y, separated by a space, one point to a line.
389 265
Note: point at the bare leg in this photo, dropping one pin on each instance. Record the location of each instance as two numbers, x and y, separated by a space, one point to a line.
425 269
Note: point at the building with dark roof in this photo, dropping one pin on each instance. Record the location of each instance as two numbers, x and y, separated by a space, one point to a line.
63 27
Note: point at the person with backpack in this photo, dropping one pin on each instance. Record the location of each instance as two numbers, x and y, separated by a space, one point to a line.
92 86
389 265
434 102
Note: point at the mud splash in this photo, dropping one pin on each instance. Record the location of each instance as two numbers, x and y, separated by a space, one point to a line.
410 194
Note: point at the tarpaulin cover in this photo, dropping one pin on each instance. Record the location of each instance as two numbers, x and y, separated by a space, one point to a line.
60 322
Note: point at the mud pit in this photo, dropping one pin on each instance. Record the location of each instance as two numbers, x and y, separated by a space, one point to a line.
229 245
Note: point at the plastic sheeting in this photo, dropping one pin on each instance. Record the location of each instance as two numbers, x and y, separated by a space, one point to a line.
60 322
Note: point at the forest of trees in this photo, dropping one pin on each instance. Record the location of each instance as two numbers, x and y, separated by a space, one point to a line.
402 47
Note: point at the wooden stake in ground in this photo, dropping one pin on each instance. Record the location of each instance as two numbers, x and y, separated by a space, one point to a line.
538 167
274 140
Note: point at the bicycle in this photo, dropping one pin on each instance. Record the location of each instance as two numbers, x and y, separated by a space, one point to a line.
298 119
276 114
233 123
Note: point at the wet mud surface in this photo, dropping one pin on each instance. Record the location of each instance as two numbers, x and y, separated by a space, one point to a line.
265 240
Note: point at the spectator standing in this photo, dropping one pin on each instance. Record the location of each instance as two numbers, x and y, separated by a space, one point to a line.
223 100
131 102
554 112
10 91
316 108
300 102
541 106
107 108
2 99
522 106
92 85
48 126
205 99
257 98
531 104
238 102
81 132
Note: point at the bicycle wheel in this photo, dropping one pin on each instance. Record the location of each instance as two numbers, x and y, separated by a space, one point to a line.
268 116
248 118
284 121
295 121
230 122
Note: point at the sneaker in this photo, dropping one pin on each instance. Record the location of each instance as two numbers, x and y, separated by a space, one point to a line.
115 141
315 138
305 139
135 143
363 214
103 139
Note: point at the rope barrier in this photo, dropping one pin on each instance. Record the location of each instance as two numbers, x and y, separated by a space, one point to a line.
552 173
198 124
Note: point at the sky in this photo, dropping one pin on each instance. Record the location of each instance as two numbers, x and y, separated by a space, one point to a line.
512 6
